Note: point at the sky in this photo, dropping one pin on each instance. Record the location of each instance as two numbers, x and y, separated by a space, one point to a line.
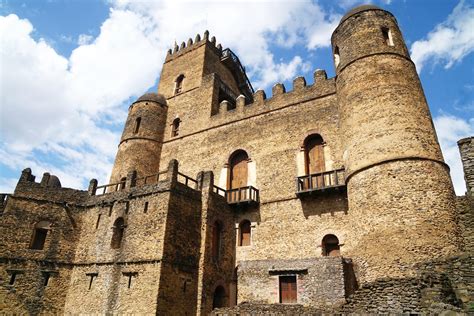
69 69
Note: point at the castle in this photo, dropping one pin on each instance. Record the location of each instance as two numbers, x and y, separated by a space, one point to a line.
333 196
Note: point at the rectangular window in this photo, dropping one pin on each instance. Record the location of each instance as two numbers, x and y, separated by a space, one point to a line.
13 275
130 275
288 289
92 276
98 221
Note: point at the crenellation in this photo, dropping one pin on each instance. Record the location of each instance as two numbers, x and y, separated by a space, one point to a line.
299 83
190 42
278 89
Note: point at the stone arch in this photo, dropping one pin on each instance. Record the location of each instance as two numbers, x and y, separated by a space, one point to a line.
219 297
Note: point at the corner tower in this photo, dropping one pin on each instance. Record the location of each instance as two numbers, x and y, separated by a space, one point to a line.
398 184
142 138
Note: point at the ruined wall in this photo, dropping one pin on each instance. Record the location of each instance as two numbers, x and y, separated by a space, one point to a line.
466 148
320 281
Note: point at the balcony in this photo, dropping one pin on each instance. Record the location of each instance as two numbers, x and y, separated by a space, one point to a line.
321 182
244 195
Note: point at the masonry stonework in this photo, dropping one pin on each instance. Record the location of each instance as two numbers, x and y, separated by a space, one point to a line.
340 202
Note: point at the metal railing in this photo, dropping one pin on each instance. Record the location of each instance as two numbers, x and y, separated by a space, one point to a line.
244 194
320 181
227 53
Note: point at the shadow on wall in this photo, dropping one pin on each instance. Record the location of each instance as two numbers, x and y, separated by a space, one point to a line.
327 203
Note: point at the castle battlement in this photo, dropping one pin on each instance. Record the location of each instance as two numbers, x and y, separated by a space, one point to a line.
185 47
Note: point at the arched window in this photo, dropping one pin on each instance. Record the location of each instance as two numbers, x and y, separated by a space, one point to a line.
175 127
331 246
39 235
219 299
314 154
216 241
117 235
138 120
179 84
337 59
244 233
238 175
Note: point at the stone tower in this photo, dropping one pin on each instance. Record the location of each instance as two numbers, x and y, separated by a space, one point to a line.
142 138
396 176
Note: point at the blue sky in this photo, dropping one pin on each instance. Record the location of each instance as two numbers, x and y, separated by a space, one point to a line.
70 68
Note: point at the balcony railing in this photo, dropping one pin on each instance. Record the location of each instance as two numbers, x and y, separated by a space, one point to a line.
321 181
243 195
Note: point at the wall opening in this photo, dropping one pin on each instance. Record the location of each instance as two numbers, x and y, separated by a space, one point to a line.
337 59
13 275
288 291
314 154
387 36
98 221
178 86
39 235
244 233
216 241
138 120
219 298
145 208
46 277
330 246
175 127
117 235
123 181
91 276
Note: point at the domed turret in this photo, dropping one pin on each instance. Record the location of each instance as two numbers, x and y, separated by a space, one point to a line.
142 138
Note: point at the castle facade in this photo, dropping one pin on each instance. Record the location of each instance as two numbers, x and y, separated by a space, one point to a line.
221 196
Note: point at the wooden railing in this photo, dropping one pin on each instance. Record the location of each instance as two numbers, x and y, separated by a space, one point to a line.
320 181
247 194
150 179
219 190
184 179
117 186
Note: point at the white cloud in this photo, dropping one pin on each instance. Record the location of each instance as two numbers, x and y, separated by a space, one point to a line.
84 39
449 42
450 129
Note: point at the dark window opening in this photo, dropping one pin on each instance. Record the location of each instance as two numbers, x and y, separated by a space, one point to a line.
46 276
138 120
117 235
244 233
145 208
184 286
13 275
216 241
331 246
98 221
387 36
179 84
175 127
288 291
39 235
219 299
111 207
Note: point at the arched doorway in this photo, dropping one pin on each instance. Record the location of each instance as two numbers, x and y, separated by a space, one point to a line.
219 298
314 160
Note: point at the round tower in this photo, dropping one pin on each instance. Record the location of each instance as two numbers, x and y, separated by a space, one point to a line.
399 187
142 138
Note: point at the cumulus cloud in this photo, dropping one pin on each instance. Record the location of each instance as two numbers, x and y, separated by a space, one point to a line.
449 42
450 129
84 39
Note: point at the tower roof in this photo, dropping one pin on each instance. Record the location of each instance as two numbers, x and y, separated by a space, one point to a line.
359 9
153 97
